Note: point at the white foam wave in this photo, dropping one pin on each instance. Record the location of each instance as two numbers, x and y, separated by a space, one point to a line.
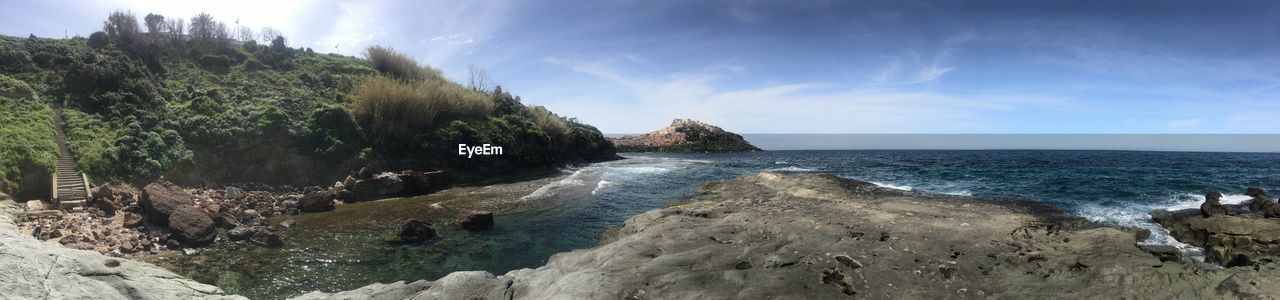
600 186
892 186
1139 216
965 193
1189 200
574 180
791 169
781 162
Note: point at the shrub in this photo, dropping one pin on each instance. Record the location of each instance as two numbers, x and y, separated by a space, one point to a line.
334 132
399 65
26 129
98 39
90 139
217 63
393 107
13 88
253 64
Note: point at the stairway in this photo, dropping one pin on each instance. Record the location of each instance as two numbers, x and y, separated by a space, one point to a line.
71 188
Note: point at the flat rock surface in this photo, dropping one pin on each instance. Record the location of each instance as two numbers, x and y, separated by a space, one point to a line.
815 236
37 270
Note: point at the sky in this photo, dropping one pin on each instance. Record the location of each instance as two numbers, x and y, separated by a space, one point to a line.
804 66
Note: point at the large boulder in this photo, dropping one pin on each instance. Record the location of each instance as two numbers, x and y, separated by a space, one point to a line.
476 219
316 201
161 199
421 183
1228 240
383 185
192 227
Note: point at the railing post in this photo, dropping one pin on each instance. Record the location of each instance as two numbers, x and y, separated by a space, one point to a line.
88 194
53 198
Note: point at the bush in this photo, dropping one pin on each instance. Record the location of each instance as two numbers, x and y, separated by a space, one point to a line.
26 129
90 139
399 65
216 63
334 132
393 107
13 88
98 39
548 122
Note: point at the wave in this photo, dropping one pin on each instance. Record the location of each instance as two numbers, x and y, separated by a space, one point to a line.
892 186
600 186
792 169
574 180
1139 216
965 193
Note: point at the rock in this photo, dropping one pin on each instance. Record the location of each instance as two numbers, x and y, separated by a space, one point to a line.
1249 286
241 233
161 199
191 227
132 220
288 223
848 261
364 174
476 219
377 187
316 201
1212 205
38 270
233 193
1227 240
348 182
1163 252
266 238
36 205
422 183
413 231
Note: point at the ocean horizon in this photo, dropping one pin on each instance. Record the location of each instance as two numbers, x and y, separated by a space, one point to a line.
1231 143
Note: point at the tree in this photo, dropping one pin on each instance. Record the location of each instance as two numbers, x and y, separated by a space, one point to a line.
480 80
202 26
268 34
278 44
155 24
122 27
245 34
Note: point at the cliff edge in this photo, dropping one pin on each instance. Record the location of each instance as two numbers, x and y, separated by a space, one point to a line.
685 135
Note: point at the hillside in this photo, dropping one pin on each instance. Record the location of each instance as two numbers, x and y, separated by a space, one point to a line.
685 135
188 102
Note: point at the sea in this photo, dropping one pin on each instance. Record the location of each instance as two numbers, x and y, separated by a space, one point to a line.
1114 187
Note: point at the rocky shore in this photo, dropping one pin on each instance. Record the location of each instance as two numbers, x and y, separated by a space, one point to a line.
817 236
42 270
1240 239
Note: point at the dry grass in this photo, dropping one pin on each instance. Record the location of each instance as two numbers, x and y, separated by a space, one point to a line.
548 121
393 107
398 65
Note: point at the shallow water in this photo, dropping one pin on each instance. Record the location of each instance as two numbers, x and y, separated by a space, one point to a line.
343 250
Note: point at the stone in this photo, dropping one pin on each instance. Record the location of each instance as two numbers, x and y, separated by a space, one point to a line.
348 182
36 205
1227 240
316 201
377 187
422 183
1163 252
240 233
131 220
233 193
38 270
364 174
266 238
476 219
289 223
161 199
413 231
1212 205
191 227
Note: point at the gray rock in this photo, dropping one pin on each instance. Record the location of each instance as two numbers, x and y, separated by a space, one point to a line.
36 270
36 205
234 193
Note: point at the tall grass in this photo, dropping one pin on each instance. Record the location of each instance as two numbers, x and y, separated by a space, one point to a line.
399 65
394 107
548 121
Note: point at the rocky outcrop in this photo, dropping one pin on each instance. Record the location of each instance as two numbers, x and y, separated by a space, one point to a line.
814 236
36 270
366 186
166 204
317 201
1239 240
685 135
412 231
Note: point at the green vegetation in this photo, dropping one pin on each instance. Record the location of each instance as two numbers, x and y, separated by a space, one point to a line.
28 153
189 100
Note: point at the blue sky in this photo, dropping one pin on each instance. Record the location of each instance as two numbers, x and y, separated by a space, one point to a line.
807 66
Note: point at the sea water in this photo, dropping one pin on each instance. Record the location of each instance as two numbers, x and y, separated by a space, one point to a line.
1116 187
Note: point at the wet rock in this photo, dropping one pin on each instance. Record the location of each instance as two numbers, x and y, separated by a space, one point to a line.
1163 252
1227 240
476 219
383 185
316 201
241 233
413 231
1212 205
422 183
266 238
